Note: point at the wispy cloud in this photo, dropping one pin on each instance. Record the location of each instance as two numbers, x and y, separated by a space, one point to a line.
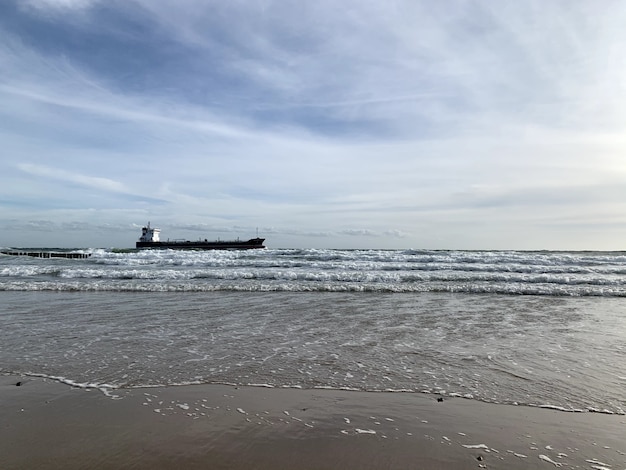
446 124
56 5
94 182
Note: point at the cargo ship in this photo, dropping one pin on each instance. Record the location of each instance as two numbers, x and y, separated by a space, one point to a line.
150 239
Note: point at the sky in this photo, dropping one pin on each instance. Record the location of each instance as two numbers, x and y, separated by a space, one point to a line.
386 124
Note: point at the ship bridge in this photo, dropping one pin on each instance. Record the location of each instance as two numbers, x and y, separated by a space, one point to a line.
149 234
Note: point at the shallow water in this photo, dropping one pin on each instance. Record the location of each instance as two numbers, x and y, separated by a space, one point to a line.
559 351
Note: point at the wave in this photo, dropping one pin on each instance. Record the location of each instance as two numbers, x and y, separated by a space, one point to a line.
313 270
467 288
110 390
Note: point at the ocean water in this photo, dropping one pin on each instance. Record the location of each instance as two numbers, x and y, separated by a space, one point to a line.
526 328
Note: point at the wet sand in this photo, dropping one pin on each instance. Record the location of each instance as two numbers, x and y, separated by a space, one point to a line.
48 425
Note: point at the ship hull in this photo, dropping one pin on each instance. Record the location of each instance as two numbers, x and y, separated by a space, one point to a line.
251 244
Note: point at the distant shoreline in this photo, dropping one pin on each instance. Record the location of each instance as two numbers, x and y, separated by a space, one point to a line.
123 249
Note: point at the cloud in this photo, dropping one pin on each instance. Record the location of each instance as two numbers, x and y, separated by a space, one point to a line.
57 5
98 183
324 121
100 190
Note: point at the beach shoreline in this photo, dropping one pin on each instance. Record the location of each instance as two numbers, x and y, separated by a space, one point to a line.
48 425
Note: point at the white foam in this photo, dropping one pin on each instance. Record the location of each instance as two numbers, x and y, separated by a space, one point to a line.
545 458
104 388
521 456
598 462
559 408
476 446
364 431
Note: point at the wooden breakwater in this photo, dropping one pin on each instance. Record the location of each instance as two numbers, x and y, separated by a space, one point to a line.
47 254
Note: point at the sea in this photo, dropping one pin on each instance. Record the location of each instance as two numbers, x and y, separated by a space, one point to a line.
542 329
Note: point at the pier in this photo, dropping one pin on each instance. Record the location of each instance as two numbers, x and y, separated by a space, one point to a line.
47 254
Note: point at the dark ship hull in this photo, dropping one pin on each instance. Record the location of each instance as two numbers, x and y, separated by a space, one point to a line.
203 244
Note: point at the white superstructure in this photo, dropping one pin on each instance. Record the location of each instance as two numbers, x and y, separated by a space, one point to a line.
149 234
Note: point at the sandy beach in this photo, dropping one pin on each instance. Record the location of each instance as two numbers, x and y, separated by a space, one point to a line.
49 425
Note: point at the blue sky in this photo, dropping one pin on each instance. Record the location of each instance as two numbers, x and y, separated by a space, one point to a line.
353 124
